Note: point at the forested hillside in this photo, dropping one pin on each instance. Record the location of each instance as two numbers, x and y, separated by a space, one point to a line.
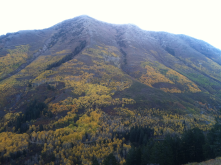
88 92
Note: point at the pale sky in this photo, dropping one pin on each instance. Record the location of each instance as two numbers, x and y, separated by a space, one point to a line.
197 18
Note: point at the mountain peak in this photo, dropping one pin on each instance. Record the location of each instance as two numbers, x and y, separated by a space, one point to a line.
84 17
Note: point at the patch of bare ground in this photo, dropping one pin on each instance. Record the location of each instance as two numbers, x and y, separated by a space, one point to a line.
42 122
216 161
110 110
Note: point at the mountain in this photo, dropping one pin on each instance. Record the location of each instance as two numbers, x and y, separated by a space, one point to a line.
83 74
172 67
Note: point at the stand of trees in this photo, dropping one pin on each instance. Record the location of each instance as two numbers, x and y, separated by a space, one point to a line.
33 111
192 146
173 150
134 146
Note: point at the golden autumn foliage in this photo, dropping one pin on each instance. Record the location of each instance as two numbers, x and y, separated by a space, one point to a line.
124 111
153 76
9 63
88 123
91 134
206 65
162 122
98 143
14 59
158 73
36 70
100 75
12 143
61 52
40 64
87 113
171 90
59 107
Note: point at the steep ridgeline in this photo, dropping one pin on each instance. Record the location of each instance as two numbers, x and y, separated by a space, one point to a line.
108 76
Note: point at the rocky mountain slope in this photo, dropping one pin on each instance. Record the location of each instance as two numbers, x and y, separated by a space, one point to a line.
174 68
122 73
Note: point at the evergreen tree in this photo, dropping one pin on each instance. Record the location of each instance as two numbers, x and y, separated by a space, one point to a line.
95 161
192 145
110 160
134 156
174 142
166 155
145 157
208 152
155 152
214 138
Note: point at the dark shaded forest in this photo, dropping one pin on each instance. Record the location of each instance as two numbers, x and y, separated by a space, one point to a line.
193 145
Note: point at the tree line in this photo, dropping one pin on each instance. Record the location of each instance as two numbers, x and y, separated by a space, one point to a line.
193 145
33 111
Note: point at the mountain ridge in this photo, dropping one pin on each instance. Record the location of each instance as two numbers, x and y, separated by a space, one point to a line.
137 50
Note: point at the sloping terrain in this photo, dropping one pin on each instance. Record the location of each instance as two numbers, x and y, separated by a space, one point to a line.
208 162
90 79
